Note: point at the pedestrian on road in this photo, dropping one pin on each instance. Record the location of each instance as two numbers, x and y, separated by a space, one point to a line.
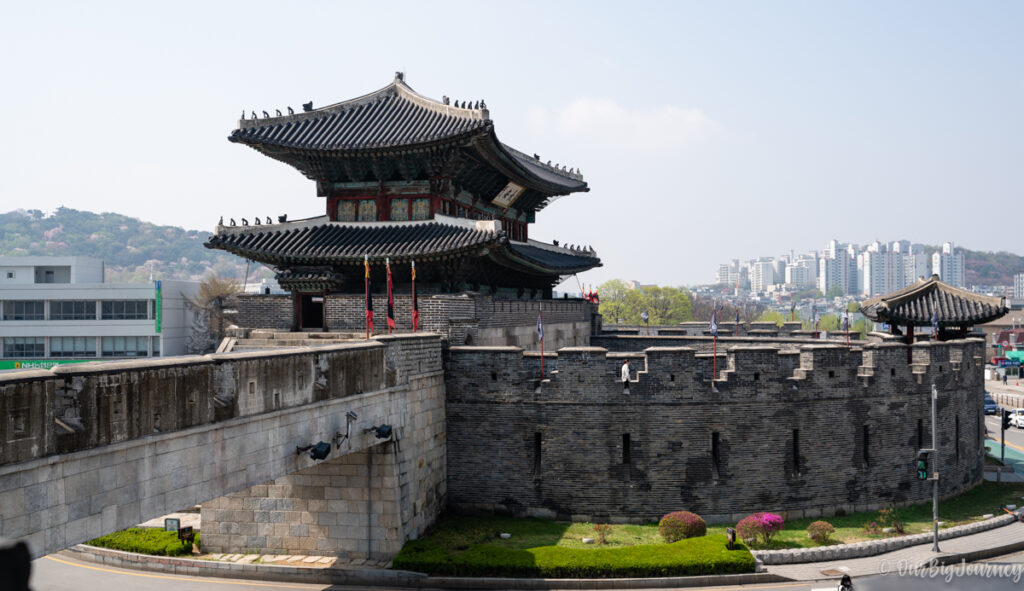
625 376
1004 378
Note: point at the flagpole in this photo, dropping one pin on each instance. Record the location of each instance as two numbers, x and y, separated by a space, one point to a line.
366 285
415 312
540 316
714 370
714 334
390 318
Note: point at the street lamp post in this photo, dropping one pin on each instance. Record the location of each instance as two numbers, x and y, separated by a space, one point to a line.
935 474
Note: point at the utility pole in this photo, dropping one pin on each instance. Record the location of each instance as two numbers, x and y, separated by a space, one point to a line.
935 474
1004 420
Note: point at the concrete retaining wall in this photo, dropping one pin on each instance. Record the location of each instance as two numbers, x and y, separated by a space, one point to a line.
237 420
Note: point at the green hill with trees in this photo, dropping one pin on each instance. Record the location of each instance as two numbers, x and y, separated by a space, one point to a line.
131 249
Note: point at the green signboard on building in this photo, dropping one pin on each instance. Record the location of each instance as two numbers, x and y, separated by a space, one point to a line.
158 304
38 364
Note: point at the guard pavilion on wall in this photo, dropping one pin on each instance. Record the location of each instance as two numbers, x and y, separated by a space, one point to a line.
407 178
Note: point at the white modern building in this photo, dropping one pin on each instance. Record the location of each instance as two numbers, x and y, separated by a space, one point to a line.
762 275
949 265
58 309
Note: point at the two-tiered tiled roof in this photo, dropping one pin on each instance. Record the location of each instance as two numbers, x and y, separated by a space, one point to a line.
318 241
915 305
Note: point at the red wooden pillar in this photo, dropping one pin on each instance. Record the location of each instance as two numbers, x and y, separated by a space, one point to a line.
324 307
910 343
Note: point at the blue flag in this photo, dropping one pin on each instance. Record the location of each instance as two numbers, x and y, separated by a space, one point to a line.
540 326
935 322
713 328
846 320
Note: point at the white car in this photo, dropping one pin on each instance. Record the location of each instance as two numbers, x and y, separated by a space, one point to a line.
1017 418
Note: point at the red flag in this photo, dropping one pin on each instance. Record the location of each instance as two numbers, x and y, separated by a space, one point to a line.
391 298
415 306
369 300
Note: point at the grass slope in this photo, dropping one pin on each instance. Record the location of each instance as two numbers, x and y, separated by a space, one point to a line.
145 540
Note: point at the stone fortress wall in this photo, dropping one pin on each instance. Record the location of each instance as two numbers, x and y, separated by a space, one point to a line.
800 429
91 448
467 318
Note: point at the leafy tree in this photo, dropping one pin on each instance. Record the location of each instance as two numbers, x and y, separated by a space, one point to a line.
777 317
829 322
836 291
809 293
622 305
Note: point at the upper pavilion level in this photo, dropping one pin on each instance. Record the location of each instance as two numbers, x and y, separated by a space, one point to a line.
395 155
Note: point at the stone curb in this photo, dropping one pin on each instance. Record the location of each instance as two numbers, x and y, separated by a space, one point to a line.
874 547
388 578
267 572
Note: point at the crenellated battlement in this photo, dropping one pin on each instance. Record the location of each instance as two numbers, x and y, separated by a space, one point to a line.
743 370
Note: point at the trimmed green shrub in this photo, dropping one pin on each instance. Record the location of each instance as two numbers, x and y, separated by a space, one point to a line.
679 525
145 540
820 531
695 556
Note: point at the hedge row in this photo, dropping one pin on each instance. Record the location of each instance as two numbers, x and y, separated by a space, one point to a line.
694 556
145 540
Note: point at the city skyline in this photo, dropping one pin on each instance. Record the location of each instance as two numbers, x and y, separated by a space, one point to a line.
868 270
696 148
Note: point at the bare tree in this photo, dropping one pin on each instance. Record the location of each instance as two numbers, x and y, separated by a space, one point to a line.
702 307
209 325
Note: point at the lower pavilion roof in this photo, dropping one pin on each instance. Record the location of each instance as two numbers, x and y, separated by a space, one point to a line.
319 241
915 305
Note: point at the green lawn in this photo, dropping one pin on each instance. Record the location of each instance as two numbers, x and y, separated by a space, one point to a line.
695 556
987 497
457 534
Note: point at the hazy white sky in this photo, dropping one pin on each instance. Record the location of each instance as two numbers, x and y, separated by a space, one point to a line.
707 130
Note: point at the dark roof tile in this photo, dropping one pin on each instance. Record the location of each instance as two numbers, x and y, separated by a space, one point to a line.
339 242
914 305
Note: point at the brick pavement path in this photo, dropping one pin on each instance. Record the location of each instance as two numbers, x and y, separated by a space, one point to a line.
297 560
912 556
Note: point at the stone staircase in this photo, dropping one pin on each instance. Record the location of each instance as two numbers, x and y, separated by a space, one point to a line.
261 340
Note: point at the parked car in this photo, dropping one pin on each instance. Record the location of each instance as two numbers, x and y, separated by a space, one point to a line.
991 408
1017 418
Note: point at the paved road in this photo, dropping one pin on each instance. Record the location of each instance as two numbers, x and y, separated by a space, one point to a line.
61 573
58 572
1014 442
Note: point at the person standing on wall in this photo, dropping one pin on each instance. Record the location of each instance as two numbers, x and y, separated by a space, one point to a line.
625 376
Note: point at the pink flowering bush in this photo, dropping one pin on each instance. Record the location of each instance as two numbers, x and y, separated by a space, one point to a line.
760 525
681 524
